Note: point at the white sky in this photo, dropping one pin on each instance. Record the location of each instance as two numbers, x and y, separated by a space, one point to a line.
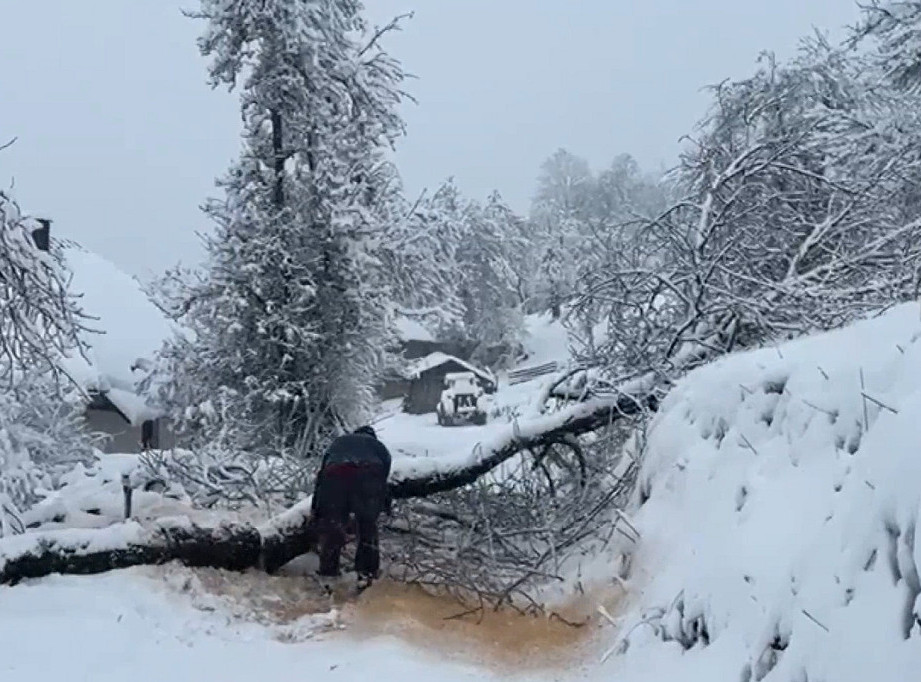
120 138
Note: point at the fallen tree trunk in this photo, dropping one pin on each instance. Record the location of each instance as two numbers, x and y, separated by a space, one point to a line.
86 551
238 546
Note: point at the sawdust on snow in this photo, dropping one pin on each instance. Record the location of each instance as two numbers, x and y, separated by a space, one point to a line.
296 608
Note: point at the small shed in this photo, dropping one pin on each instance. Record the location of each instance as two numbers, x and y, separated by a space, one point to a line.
415 341
426 380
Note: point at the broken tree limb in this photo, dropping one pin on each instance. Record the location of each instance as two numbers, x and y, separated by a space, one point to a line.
239 546
420 477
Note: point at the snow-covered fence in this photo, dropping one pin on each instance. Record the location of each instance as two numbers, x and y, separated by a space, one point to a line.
519 376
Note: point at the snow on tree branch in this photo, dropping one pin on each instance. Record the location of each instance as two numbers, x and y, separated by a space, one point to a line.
41 319
798 213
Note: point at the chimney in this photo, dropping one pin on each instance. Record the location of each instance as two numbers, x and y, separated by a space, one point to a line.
42 235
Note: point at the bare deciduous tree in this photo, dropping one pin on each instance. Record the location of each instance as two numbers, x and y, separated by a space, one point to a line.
40 318
799 213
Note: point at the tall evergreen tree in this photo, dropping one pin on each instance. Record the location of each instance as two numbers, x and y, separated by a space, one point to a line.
488 280
289 320
559 213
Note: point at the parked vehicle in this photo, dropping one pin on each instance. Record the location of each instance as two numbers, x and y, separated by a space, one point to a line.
462 401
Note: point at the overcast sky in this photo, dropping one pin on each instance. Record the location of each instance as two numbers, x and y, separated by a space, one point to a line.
120 138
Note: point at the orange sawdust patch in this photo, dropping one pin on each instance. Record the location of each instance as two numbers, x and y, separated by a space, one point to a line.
504 638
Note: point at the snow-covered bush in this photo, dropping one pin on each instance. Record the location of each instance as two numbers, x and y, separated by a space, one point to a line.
39 317
42 435
216 476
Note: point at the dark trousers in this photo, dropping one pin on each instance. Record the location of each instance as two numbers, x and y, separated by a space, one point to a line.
343 491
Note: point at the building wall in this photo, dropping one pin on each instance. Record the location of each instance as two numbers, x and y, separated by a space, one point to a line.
393 387
424 393
123 437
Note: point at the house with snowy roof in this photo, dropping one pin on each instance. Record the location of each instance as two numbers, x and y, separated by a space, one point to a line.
126 329
426 380
416 341
426 360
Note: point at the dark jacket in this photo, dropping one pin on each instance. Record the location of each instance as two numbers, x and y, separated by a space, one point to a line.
357 448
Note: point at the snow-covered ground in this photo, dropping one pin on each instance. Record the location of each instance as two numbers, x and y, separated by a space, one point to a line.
778 510
128 626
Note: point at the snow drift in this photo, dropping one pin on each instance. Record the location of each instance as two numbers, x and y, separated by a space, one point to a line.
779 506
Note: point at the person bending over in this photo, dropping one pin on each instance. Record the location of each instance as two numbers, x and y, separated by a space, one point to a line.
352 482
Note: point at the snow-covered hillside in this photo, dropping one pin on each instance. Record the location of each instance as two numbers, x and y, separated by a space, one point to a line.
546 340
780 530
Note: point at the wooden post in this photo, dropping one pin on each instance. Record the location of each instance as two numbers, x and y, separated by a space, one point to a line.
126 489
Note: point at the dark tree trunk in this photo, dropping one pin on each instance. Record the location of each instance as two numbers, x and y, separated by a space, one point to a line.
278 193
229 547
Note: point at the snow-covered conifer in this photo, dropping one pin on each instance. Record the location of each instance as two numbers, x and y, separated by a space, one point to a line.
289 322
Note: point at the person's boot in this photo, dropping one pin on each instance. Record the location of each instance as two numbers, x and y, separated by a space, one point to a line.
365 580
328 583
363 583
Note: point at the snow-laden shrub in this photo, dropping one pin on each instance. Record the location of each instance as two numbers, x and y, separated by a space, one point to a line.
42 436
215 476
230 459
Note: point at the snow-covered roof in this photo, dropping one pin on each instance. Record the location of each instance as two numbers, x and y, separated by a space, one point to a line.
409 329
132 328
437 359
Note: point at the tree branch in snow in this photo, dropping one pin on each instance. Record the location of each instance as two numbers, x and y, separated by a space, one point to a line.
84 552
231 546
426 476
521 527
392 25
41 319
